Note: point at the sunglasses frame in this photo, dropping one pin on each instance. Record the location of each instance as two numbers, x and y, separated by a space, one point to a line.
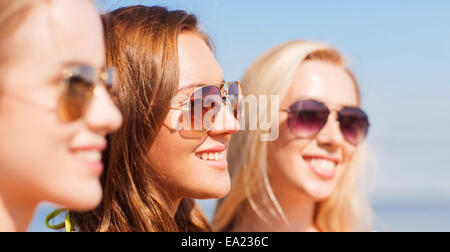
104 77
330 112
223 88
64 83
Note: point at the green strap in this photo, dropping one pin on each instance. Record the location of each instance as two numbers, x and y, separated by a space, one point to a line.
66 224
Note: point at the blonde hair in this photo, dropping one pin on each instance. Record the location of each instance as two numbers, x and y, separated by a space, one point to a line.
12 13
272 74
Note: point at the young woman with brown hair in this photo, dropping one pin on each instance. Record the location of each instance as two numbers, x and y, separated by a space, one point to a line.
154 169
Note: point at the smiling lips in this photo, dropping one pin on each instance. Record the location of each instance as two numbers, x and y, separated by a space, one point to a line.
92 159
90 156
214 157
211 155
324 167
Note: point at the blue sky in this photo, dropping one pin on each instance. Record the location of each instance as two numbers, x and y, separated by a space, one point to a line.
399 51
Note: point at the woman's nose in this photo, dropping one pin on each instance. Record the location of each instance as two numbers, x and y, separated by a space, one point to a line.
225 123
330 135
103 116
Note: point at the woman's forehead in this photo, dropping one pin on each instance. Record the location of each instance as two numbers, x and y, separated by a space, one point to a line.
325 82
197 62
53 33
77 32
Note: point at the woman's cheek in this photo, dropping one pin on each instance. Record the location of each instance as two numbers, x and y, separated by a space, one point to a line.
348 152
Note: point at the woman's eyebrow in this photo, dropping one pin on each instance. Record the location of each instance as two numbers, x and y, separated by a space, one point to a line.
191 86
68 64
56 76
195 85
331 105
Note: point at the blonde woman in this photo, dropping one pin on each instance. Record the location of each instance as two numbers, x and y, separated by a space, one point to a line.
306 179
55 108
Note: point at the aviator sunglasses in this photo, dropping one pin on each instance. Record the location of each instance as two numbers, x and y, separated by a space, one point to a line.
204 103
79 84
307 117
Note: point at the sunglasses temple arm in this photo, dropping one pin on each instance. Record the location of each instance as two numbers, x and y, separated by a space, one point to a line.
30 102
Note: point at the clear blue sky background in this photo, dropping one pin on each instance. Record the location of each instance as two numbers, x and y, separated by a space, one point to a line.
400 53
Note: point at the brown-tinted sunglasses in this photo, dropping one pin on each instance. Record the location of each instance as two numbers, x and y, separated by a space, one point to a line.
78 85
204 103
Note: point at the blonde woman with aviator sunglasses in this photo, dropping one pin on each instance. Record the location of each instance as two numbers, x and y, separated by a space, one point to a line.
306 180
55 110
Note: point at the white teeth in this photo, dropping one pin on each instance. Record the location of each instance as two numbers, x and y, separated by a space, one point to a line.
90 156
211 156
323 164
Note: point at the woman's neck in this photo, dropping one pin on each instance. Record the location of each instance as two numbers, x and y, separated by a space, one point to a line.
297 207
15 216
173 203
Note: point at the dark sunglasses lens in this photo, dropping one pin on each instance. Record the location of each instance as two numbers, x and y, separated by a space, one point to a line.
354 124
204 103
78 92
307 118
235 100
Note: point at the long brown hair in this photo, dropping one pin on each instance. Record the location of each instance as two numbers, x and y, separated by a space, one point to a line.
141 43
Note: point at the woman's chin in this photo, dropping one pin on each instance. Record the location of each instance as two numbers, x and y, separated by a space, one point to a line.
319 193
214 191
84 200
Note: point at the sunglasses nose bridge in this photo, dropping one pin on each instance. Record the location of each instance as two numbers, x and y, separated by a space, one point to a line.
225 122
225 96
335 115
224 93
224 100
330 132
